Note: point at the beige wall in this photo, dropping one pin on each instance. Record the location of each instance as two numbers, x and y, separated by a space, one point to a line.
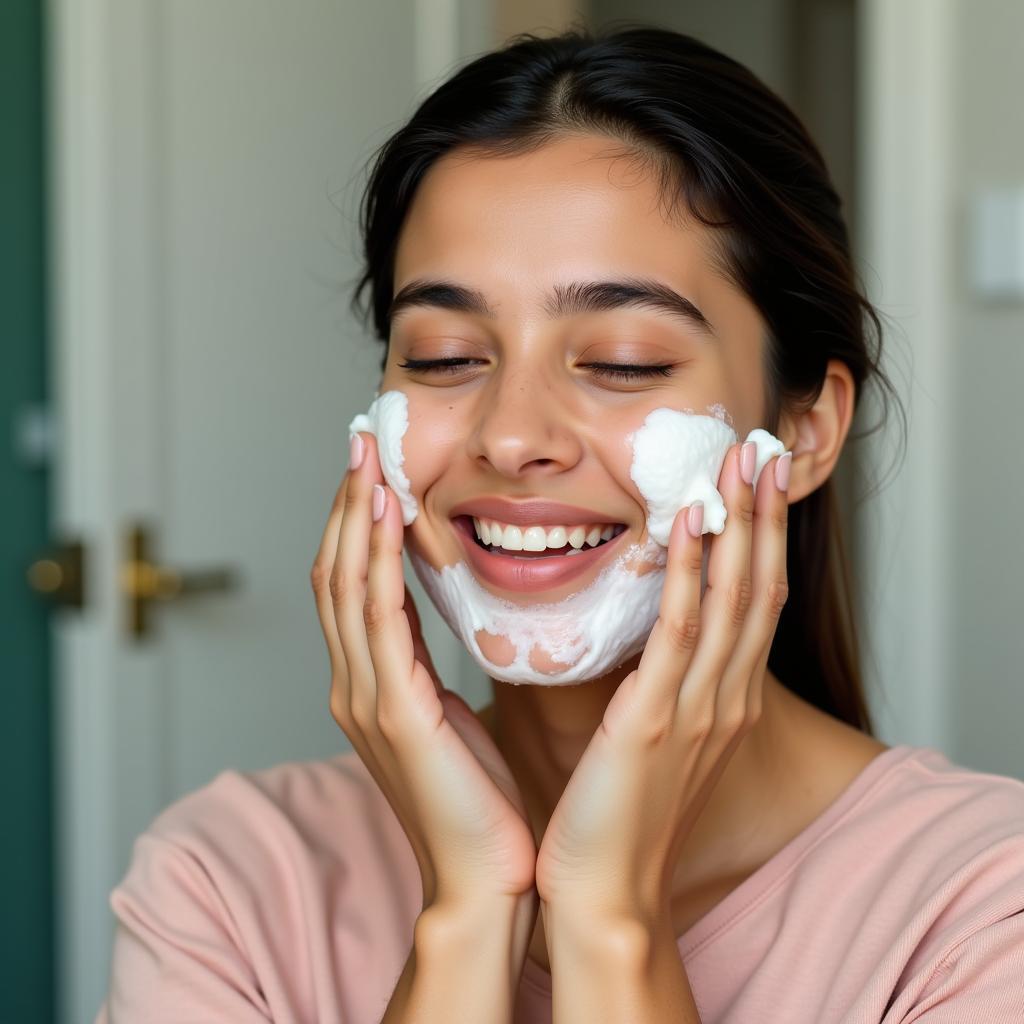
758 33
986 563
541 16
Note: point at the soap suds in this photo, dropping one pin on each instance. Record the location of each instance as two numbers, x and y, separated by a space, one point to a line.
677 459
591 631
768 446
388 420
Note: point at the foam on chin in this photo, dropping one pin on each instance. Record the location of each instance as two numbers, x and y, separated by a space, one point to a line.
590 632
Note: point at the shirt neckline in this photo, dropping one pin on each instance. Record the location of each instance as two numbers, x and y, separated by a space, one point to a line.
716 921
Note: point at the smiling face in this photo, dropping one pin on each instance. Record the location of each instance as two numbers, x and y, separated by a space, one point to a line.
529 410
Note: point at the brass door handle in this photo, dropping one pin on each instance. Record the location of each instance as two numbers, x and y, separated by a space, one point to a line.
143 581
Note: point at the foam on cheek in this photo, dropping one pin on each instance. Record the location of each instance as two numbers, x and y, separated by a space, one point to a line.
677 459
590 632
388 420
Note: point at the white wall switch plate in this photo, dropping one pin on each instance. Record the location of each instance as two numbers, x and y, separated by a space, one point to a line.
995 245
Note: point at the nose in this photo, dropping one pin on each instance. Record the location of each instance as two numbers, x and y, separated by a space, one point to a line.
524 429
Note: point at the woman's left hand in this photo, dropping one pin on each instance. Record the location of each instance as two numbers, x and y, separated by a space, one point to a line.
614 839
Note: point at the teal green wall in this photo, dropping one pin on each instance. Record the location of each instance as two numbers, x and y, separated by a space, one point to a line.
26 853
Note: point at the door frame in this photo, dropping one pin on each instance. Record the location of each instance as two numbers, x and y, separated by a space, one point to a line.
906 84
84 654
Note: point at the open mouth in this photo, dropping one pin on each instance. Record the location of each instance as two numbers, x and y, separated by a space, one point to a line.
534 558
537 541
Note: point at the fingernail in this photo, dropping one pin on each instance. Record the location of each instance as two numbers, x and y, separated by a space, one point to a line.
378 502
748 461
695 519
356 449
782 471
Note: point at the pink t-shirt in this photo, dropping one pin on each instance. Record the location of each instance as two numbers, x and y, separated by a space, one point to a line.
290 895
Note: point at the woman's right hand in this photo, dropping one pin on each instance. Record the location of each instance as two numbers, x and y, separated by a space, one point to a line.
434 761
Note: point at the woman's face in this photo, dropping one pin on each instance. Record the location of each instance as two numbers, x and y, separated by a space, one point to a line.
530 413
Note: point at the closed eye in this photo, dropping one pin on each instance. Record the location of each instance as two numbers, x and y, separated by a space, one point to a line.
614 371
448 365
630 371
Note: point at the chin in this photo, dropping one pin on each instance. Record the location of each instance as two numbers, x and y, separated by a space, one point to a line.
552 639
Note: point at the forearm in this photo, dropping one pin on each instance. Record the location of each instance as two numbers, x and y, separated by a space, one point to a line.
616 974
464 964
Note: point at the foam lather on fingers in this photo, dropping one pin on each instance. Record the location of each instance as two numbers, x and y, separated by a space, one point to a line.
388 420
677 460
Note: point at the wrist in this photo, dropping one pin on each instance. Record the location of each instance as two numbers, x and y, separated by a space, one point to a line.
617 968
503 924
622 938
435 986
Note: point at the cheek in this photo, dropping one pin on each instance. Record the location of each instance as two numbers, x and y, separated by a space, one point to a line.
614 448
429 444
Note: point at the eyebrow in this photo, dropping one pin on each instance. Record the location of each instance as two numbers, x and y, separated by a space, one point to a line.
563 300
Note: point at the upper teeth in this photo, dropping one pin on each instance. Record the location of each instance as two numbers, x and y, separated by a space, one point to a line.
538 538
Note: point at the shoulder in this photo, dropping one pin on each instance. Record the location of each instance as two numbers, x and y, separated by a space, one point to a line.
934 818
954 867
966 825
252 839
964 811
919 865
290 790
254 823
278 894
913 800
940 849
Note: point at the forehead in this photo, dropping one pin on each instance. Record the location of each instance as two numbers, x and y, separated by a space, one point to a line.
580 205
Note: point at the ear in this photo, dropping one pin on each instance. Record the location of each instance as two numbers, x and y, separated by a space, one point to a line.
816 436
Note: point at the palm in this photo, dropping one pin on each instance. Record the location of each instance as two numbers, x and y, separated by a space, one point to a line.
490 788
585 816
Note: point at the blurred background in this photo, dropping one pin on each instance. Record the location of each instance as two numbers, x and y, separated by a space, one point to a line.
179 365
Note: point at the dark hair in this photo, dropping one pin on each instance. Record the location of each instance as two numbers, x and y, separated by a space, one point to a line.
745 166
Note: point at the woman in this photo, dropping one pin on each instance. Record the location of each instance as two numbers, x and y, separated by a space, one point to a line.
569 234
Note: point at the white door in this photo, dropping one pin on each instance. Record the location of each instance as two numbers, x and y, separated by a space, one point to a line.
207 162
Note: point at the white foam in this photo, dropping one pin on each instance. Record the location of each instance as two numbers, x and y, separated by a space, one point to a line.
677 459
768 446
591 631
388 420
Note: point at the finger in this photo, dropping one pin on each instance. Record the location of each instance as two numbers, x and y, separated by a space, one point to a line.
673 640
400 678
343 541
770 587
320 576
348 584
325 576
728 595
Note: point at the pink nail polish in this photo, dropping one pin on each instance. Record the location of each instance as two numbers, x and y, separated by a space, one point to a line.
782 471
356 450
695 519
378 502
748 461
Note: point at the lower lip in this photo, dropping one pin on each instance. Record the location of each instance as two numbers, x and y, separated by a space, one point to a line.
529 574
